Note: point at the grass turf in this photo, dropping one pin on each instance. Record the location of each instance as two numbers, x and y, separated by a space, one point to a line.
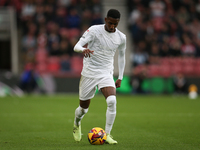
143 123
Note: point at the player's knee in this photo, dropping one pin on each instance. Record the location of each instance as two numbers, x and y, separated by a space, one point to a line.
111 100
111 103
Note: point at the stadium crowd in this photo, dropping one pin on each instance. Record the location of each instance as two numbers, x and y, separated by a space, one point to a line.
50 29
165 36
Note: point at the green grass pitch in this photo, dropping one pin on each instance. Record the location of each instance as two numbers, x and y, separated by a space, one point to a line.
145 122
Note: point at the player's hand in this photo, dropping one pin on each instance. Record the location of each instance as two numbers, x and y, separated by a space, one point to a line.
87 53
118 83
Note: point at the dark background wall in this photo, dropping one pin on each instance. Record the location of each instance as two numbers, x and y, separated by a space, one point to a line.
71 85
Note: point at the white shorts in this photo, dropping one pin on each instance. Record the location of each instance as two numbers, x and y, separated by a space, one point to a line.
87 86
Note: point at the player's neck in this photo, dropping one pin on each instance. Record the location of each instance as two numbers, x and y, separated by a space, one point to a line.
108 30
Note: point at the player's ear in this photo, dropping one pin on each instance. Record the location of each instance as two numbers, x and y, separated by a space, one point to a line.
105 19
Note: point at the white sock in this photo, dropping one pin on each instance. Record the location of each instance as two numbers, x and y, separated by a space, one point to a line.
79 114
110 113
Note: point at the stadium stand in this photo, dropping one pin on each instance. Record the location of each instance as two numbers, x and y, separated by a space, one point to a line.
50 29
170 32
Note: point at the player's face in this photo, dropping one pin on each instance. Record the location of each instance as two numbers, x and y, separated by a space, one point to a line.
111 24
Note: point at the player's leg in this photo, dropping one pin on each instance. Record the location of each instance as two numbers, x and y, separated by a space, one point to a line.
81 111
110 95
86 92
79 114
108 89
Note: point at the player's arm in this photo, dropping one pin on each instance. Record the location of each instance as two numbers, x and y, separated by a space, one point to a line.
79 47
121 64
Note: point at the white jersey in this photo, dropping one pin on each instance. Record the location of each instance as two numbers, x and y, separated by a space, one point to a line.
104 44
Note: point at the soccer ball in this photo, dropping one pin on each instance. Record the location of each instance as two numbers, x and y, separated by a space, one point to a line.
97 136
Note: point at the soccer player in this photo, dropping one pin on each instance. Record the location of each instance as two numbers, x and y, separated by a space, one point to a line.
102 42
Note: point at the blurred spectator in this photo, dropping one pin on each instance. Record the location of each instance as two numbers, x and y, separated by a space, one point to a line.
139 74
73 41
164 32
42 37
157 8
154 56
53 26
187 4
135 14
55 49
29 79
29 40
30 55
149 28
168 28
64 3
194 28
60 17
65 63
96 19
165 50
49 12
198 7
193 12
73 5
188 49
83 5
28 10
73 20
180 83
197 45
139 56
66 48
39 16
53 35
183 15
138 30
175 46
97 6
39 2
86 18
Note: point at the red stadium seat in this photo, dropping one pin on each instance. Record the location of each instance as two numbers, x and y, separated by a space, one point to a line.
165 61
70 33
188 61
74 33
41 55
197 71
177 68
54 64
165 70
77 63
188 70
175 60
153 70
41 67
64 32
197 62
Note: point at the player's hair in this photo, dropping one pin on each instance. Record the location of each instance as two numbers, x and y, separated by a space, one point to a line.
113 13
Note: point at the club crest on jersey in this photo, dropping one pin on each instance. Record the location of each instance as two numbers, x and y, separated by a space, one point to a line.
86 32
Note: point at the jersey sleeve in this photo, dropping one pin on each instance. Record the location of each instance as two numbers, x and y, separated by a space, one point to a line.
85 38
121 58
